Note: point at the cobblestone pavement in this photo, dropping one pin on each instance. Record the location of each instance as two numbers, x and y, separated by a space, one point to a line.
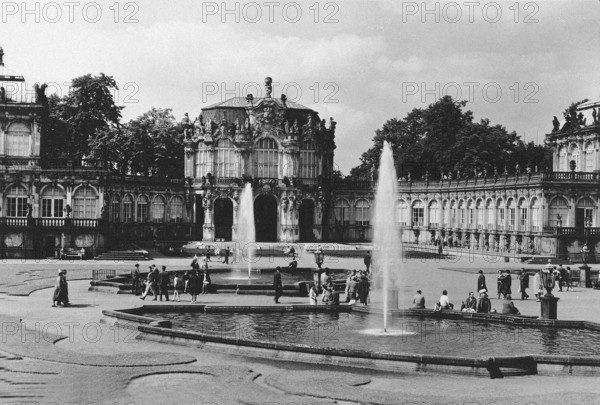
72 355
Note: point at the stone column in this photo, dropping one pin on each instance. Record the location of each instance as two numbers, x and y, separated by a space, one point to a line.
234 226
208 230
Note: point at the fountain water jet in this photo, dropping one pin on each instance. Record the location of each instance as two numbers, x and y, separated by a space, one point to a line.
387 248
246 232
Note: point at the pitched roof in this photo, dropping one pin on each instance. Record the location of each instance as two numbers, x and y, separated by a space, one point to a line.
240 102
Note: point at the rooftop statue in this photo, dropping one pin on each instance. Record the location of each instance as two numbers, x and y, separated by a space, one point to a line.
268 87
555 124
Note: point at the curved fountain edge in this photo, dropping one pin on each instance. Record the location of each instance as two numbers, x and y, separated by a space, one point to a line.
157 329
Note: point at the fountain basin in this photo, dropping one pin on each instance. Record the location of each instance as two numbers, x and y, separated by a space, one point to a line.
491 345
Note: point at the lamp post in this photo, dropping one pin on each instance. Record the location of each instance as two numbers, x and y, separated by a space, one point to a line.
319 257
586 269
548 302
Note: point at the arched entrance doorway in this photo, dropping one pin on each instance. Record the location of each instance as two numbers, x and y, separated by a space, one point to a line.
199 223
265 218
307 220
223 218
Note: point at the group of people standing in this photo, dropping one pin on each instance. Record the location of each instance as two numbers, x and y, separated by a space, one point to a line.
357 287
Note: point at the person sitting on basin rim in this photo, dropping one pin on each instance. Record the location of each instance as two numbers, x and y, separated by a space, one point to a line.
509 308
484 305
470 304
445 301
419 300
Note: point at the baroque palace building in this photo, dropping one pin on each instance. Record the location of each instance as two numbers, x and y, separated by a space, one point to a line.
285 151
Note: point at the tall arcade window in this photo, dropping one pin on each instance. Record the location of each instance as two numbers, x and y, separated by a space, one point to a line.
308 161
500 215
418 214
176 209
558 212
589 157
17 140
115 209
158 209
480 214
575 157
141 209
470 215
342 212
453 219
84 202
16 201
522 215
202 163
362 213
535 215
434 213
128 208
225 159
53 201
490 214
562 159
512 214
402 214
462 217
267 158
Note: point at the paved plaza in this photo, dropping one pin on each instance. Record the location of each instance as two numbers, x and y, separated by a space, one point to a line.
76 355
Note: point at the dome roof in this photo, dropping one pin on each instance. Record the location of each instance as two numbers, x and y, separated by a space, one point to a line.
240 102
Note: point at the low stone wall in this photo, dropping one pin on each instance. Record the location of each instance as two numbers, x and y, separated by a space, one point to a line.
493 367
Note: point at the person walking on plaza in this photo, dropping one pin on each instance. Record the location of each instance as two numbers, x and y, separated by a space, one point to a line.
568 278
151 284
500 283
61 290
226 254
481 282
418 300
135 280
559 275
194 286
523 284
367 261
163 284
507 288
277 285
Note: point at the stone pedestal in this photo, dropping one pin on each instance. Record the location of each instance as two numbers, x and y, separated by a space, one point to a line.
548 307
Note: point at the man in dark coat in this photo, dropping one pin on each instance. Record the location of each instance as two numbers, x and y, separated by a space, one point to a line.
367 261
481 282
277 285
507 291
484 306
163 283
523 284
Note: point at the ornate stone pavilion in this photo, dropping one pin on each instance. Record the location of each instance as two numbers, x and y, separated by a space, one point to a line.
282 148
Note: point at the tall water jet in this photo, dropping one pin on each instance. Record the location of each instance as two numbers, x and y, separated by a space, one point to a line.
246 232
387 248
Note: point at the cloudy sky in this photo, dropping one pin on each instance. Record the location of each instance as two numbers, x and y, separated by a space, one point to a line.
361 62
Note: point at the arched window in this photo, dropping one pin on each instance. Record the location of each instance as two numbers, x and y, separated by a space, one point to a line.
434 213
489 205
462 217
501 215
225 159
53 201
453 218
115 208
85 201
267 158
586 211
177 209
141 209
418 214
402 213
512 214
589 157
308 161
562 159
203 163
158 209
480 214
18 137
128 208
523 218
342 212
362 213
470 214
558 212
16 201
446 214
575 156
535 215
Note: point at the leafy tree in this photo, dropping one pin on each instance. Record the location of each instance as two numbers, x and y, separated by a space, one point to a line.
75 118
443 138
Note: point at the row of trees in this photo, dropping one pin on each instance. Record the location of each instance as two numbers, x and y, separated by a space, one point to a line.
444 139
86 123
